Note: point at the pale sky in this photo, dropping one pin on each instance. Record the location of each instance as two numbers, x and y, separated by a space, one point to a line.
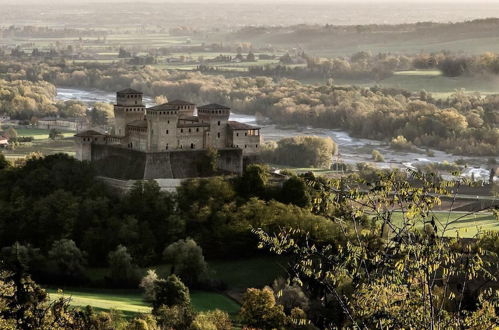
236 1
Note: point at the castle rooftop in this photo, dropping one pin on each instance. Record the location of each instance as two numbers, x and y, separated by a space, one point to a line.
180 102
213 106
129 91
235 125
138 123
164 107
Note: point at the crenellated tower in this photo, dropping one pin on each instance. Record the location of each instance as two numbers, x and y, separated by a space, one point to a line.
162 123
128 108
217 116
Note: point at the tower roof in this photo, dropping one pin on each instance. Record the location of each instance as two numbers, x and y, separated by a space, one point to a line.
180 102
163 107
129 91
213 106
235 125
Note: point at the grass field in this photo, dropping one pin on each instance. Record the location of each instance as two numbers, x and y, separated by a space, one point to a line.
41 143
461 223
131 303
432 81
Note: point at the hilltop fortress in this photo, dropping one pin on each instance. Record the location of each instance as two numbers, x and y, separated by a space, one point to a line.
168 140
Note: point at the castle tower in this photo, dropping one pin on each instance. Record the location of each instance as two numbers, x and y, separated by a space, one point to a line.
162 127
84 141
128 108
185 109
217 116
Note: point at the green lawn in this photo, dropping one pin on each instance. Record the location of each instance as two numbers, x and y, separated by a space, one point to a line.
131 302
237 274
36 133
462 223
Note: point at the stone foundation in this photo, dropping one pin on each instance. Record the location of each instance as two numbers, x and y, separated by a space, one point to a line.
120 163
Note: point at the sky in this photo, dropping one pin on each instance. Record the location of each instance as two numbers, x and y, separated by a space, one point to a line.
235 1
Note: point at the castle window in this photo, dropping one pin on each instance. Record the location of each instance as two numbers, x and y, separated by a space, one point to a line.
181 130
135 102
166 131
168 122
192 145
245 146
218 135
167 146
256 145
219 123
246 134
237 134
189 130
197 129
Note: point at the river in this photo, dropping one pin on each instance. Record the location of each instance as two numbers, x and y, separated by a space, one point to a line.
351 149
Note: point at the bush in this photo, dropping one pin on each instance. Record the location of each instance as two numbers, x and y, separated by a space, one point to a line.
148 283
259 310
301 151
216 320
170 292
122 269
400 143
186 258
68 259
377 156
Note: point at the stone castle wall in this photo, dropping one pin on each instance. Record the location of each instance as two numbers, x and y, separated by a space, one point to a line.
121 163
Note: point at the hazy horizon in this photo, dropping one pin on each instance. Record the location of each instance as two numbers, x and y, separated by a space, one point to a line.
308 2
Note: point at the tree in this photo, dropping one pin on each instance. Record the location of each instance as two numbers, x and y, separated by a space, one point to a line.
259 310
68 259
294 191
254 180
377 156
4 163
208 164
121 267
215 319
25 305
12 133
174 317
148 283
54 133
289 296
187 260
413 277
171 292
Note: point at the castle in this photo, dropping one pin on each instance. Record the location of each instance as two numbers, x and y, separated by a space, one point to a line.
168 140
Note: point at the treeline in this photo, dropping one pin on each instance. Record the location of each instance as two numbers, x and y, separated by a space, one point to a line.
55 203
29 101
335 236
463 124
300 151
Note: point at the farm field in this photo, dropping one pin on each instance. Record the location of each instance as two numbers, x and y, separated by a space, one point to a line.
41 143
463 224
130 302
432 81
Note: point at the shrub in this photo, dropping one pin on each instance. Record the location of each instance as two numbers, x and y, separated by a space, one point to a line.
259 310
186 258
400 143
170 292
377 156
122 269
216 320
148 283
68 259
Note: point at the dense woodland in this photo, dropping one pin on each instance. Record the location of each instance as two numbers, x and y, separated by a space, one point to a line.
342 244
463 124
